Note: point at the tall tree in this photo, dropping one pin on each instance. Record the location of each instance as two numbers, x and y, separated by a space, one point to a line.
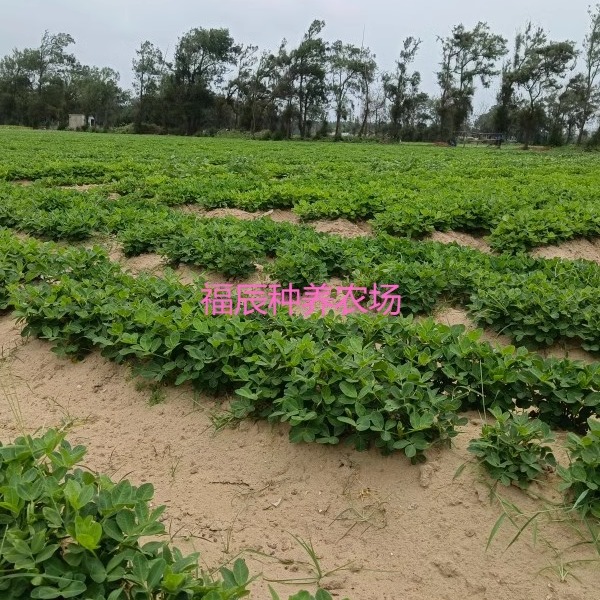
15 89
538 68
588 86
505 110
48 66
97 94
467 55
50 59
147 70
308 70
367 96
347 64
239 88
402 88
202 58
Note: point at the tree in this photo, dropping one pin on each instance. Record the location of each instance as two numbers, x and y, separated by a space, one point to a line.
307 75
202 58
15 89
147 70
97 93
46 68
347 64
588 86
239 88
368 98
503 114
538 67
50 60
466 56
402 88
576 104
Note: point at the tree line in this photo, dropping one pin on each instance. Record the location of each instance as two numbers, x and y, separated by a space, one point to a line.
548 91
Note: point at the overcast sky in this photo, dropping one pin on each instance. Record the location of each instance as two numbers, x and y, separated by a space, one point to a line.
107 32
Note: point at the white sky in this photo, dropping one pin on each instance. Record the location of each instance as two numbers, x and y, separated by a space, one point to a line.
107 32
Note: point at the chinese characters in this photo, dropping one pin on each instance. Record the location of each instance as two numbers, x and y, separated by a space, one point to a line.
247 299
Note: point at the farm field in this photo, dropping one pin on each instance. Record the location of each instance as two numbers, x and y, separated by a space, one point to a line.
107 244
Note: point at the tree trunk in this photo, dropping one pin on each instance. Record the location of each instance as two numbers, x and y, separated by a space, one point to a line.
338 123
527 137
580 134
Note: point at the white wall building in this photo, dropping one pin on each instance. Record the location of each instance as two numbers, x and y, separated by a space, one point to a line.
78 121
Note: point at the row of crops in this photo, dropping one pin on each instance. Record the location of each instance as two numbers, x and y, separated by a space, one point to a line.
400 385
520 200
534 301
395 384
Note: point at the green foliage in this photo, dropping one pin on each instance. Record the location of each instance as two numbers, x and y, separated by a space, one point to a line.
523 200
582 477
367 379
536 302
304 595
69 533
513 449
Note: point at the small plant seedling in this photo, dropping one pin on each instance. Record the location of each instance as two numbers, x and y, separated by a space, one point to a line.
223 419
157 396
86 535
314 564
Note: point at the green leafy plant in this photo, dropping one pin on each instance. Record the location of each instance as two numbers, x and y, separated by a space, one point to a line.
304 595
69 533
514 449
581 479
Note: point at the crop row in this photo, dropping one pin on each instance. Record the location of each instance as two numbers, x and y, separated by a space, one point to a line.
522 200
534 301
516 220
394 383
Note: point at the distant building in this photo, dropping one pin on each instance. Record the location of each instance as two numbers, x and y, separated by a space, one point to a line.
78 121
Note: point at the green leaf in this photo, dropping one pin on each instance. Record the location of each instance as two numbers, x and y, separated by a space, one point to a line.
240 572
87 532
348 389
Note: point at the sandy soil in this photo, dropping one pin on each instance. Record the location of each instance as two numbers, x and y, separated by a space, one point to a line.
568 350
400 531
86 187
571 250
459 316
461 238
280 216
341 227
231 212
